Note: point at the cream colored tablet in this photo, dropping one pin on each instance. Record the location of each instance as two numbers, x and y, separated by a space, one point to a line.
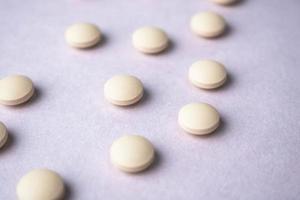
208 24
198 118
224 2
15 90
123 90
83 35
150 39
40 184
3 135
132 153
207 74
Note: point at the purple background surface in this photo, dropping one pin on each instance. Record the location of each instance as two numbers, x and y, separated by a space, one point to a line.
69 127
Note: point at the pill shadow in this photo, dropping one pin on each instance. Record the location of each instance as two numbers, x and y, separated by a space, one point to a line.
154 165
228 84
219 132
36 97
170 48
144 100
104 40
236 3
68 195
11 141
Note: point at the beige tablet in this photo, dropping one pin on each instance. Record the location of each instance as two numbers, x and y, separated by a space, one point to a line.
208 24
198 118
150 39
83 35
40 184
123 90
15 90
207 74
132 153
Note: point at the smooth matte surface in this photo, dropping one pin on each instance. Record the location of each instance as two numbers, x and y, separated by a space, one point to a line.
198 118
150 39
15 90
207 74
69 126
132 153
123 90
40 184
83 35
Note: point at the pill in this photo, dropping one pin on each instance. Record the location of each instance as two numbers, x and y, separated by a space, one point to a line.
208 24
40 184
132 153
3 135
224 2
15 90
198 118
83 35
150 39
207 74
123 90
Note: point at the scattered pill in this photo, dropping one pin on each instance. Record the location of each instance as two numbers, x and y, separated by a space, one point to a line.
3 135
123 90
224 2
207 74
15 90
198 118
150 40
132 153
40 184
83 35
208 24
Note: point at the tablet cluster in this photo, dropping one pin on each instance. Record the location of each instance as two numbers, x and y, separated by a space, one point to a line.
130 153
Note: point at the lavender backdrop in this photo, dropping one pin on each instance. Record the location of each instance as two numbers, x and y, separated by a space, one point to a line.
68 126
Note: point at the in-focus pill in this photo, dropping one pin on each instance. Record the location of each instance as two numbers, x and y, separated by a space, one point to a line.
208 24
150 39
123 90
83 35
207 74
40 184
3 135
132 153
15 90
198 118
224 2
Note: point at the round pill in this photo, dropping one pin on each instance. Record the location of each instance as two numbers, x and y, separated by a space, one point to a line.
123 90
40 184
208 24
198 118
224 2
3 135
150 40
132 153
83 35
15 90
207 74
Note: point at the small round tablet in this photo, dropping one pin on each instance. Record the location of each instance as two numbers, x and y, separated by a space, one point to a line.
15 90
208 24
132 153
150 39
40 184
3 135
198 118
224 2
83 35
123 90
207 74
